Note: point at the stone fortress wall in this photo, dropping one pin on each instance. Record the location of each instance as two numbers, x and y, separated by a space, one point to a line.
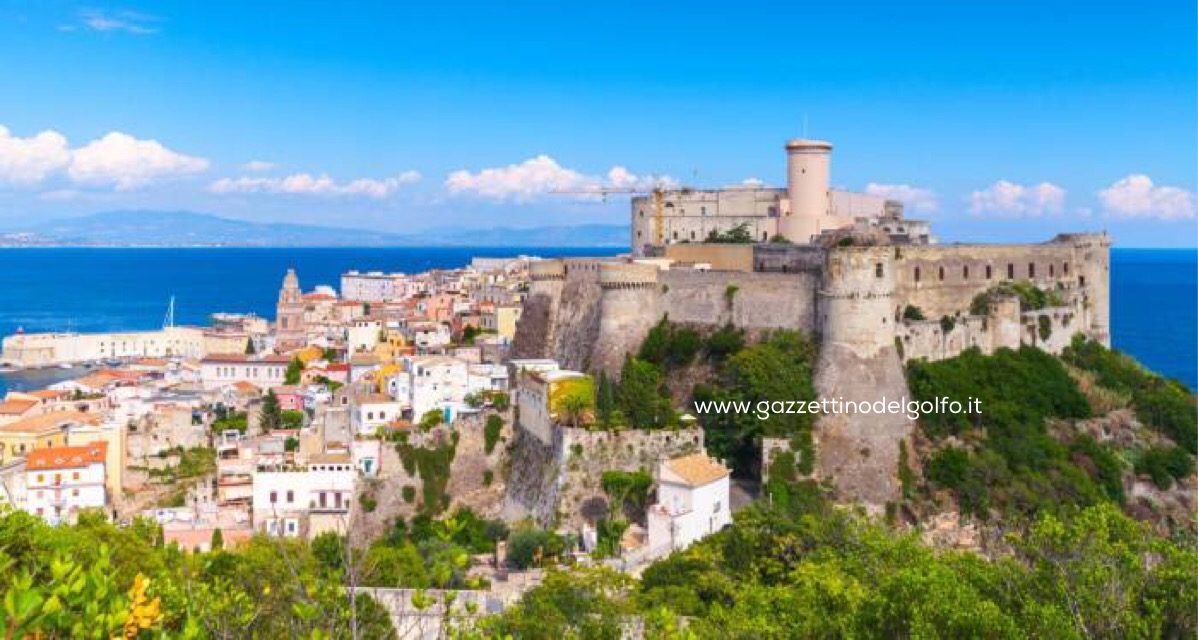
588 313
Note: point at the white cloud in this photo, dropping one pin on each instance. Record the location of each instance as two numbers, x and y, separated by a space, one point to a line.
122 161
1008 198
323 185
28 161
1136 197
543 175
116 160
126 21
258 165
916 199
752 182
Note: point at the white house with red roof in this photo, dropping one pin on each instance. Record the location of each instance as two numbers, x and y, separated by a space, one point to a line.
62 481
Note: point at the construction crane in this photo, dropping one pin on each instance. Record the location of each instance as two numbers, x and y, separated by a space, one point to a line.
659 200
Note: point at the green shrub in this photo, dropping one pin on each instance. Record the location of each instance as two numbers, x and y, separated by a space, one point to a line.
530 546
608 536
1044 328
670 346
1165 405
491 431
724 342
1165 464
913 313
368 502
948 467
433 467
409 493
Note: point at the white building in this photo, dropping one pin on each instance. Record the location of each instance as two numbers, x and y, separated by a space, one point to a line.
486 377
429 335
363 335
42 349
61 481
307 501
217 371
370 412
806 207
692 502
372 286
431 383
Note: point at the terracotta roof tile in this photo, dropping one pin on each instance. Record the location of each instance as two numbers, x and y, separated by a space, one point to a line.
697 469
67 457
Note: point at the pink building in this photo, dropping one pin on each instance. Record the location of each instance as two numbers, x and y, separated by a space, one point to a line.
291 398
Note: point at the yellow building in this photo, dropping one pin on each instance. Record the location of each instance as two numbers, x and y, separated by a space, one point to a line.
19 438
505 320
393 346
114 462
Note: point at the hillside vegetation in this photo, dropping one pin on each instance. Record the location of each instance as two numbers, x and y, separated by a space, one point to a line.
1005 460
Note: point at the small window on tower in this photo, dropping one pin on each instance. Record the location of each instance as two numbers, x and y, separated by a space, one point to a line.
917 274
1010 271
878 270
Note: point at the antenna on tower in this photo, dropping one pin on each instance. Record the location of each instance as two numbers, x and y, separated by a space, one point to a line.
169 321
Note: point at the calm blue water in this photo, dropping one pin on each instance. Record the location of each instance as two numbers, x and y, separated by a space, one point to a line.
93 289
1154 313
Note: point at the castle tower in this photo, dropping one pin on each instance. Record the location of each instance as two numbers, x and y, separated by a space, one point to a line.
1094 277
289 315
856 299
807 171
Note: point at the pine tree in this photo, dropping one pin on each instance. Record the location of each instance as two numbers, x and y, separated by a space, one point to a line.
249 347
272 415
605 400
295 370
218 540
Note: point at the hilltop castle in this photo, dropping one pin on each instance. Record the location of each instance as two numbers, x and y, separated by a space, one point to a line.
848 279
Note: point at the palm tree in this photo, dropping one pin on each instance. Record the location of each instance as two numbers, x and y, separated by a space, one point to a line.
573 407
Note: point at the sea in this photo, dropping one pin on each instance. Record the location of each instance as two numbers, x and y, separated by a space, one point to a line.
1154 306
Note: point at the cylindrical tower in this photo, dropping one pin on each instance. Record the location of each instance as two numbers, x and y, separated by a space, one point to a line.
856 301
807 169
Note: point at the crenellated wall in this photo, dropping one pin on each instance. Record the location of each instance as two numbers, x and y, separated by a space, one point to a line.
589 313
943 280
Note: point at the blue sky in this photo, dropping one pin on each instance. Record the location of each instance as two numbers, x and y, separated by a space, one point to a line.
998 122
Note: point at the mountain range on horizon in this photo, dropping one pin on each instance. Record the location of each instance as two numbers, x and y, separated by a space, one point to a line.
189 228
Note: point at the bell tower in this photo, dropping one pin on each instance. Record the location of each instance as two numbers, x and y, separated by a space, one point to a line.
289 316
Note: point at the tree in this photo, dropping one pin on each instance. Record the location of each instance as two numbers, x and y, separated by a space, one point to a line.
491 431
295 371
641 395
249 347
574 406
605 401
271 417
739 234
218 540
